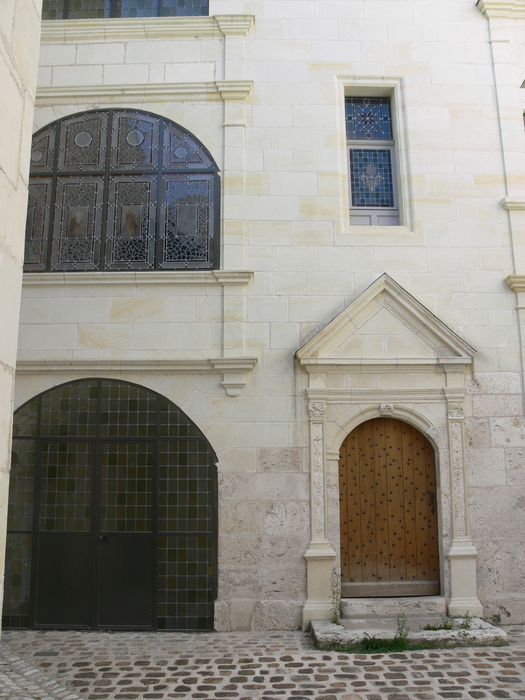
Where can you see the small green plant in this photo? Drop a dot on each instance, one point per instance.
(445, 624)
(401, 627)
(335, 597)
(467, 621)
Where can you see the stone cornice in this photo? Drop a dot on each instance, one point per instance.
(217, 91)
(502, 9)
(178, 277)
(83, 31)
(234, 370)
(358, 396)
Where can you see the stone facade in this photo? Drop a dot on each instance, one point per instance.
(19, 31)
(262, 84)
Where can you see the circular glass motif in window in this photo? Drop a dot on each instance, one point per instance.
(36, 156)
(83, 139)
(135, 137)
(181, 152)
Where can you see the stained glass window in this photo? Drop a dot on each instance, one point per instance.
(98, 9)
(371, 161)
(121, 190)
(371, 178)
(368, 118)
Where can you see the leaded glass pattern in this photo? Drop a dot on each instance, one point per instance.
(368, 118)
(131, 223)
(95, 202)
(96, 457)
(37, 222)
(186, 567)
(126, 477)
(70, 410)
(77, 229)
(186, 501)
(23, 461)
(127, 411)
(65, 490)
(87, 9)
(371, 177)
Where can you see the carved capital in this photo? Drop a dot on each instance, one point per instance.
(316, 410)
(386, 409)
(456, 412)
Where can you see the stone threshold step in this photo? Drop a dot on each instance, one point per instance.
(392, 607)
(477, 632)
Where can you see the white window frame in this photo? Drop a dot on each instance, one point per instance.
(393, 88)
(369, 215)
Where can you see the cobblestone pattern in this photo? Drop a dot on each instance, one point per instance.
(246, 666)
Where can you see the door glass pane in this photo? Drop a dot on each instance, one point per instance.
(21, 485)
(126, 487)
(65, 495)
(185, 582)
(186, 491)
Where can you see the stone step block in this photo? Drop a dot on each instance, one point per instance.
(391, 607)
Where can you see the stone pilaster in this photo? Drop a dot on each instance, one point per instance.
(18, 69)
(320, 555)
(462, 554)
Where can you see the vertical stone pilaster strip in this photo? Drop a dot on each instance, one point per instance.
(460, 526)
(462, 555)
(317, 411)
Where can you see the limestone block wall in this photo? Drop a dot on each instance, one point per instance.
(280, 144)
(19, 32)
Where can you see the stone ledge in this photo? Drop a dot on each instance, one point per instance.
(503, 9)
(84, 31)
(328, 635)
(216, 91)
(156, 277)
(234, 370)
(516, 283)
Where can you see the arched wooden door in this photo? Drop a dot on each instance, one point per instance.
(387, 487)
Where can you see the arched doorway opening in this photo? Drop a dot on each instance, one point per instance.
(112, 520)
(388, 512)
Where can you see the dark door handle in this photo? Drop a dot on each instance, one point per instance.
(103, 538)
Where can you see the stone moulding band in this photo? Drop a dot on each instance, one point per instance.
(150, 364)
(493, 9)
(83, 31)
(234, 370)
(216, 91)
(156, 277)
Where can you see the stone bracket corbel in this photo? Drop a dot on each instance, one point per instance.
(234, 372)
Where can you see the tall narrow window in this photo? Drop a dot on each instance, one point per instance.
(371, 162)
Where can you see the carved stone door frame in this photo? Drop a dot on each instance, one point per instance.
(427, 391)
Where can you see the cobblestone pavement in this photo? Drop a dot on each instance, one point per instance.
(246, 666)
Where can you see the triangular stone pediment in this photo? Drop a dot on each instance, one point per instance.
(385, 325)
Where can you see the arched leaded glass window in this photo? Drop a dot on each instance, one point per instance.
(121, 190)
